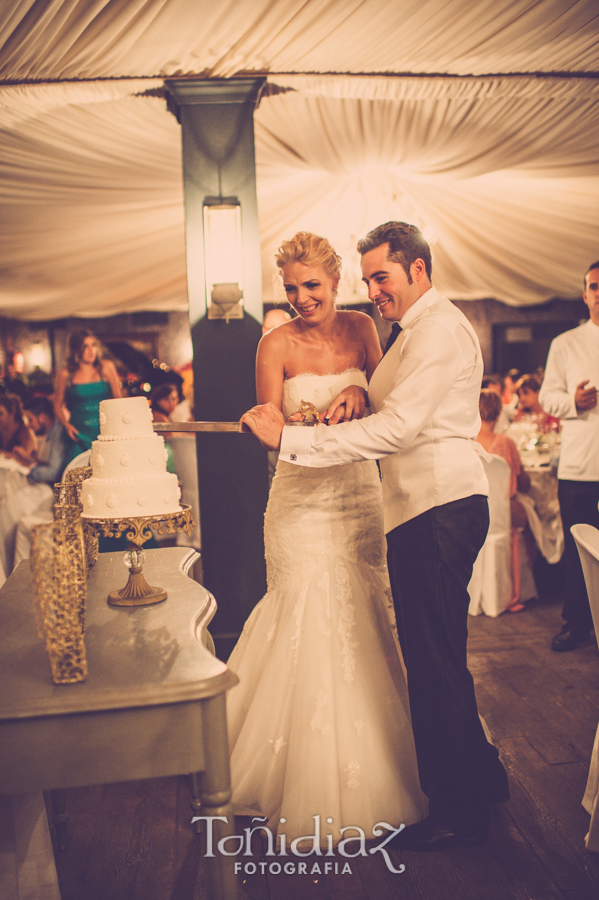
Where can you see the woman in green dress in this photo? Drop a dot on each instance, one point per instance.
(80, 386)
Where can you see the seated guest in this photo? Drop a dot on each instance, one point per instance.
(527, 389)
(17, 439)
(38, 494)
(509, 397)
(495, 383)
(13, 381)
(490, 407)
(163, 401)
(40, 412)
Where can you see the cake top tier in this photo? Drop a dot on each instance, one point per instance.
(125, 418)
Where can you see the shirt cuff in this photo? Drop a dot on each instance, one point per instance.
(296, 444)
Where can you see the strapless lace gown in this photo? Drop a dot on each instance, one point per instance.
(319, 723)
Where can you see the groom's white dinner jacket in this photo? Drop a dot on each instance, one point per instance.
(424, 401)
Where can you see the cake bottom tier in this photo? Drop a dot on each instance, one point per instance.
(111, 499)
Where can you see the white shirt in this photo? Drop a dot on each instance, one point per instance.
(574, 357)
(424, 396)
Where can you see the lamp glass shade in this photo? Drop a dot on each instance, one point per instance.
(222, 245)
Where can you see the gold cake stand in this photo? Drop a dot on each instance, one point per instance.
(137, 591)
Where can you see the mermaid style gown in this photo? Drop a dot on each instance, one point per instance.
(319, 724)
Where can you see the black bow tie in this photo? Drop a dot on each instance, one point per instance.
(395, 329)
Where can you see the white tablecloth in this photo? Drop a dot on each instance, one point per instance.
(17, 498)
(13, 476)
(542, 506)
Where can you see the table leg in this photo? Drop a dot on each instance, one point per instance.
(60, 817)
(211, 795)
(194, 801)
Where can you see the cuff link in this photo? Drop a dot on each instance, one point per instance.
(293, 457)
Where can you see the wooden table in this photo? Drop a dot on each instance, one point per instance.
(153, 703)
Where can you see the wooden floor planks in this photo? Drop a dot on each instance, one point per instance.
(134, 841)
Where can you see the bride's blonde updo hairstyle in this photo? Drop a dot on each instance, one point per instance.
(311, 250)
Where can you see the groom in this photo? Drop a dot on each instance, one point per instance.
(424, 398)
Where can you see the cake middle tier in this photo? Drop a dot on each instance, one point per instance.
(142, 458)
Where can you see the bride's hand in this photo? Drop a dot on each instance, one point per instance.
(349, 404)
(266, 422)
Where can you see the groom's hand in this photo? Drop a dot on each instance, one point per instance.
(266, 422)
(349, 404)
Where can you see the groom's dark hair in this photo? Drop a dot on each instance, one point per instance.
(406, 244)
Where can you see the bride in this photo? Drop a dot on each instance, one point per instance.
(319, 724)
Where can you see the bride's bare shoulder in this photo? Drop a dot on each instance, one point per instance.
(275, 341)
(282, 332)
(356, 322)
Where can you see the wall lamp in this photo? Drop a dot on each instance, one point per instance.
(223, 257)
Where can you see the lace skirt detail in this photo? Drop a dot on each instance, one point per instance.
(319, 724)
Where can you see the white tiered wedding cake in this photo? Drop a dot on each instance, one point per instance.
(129, 465)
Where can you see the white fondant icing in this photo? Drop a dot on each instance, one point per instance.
(125, 418)
(144, 455)
(95, 492)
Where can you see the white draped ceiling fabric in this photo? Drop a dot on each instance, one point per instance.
(478, 121)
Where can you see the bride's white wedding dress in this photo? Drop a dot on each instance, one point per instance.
(319, 723)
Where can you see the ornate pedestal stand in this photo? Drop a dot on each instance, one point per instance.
(137, 591)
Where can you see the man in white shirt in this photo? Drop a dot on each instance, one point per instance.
(569, 393)
(424, 397)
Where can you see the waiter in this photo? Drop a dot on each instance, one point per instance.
(424, 397)
(569, 390)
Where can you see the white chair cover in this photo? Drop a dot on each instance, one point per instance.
(81, 460)
(528, 587)
(587, 541)
(490, 588)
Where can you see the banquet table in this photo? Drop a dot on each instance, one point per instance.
(152, 705)
(541, 504)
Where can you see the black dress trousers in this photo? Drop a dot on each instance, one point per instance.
(578, 504)
(430, 560)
